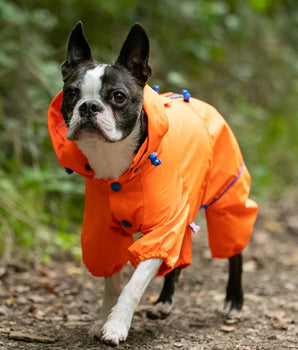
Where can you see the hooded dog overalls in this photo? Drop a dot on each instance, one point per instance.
(190, 160)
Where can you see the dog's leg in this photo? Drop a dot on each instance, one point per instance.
(117, 325)
(111, 295)
(234, 296)
(164, 304)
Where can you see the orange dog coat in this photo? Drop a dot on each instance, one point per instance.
(190, 160)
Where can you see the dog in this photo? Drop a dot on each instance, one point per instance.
(151, 162)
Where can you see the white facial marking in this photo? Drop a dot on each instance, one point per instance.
(92, 83)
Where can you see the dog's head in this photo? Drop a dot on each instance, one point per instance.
(104, 100)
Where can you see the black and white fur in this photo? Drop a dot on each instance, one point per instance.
(102, 108)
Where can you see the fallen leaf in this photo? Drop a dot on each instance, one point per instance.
(37, 298)
(73, 271)
(50, 288)
(282, 322)
(10, 301)
(4, 330)
(152, 298)
(281, 326)
(277, 315)
(54, 305)
(227, 329)
(274, 226)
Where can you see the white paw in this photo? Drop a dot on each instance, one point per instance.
(113, 332)
(159, 310)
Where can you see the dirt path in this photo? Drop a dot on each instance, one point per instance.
(52, 306)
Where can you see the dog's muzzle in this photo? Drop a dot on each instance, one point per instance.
(89, 109)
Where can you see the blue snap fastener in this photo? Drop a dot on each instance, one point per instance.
(155, 88)
(153, 155)
(115, 186)
(68, 171)
(126, 223)
(87, 167)
(186, 96)
(154, 160)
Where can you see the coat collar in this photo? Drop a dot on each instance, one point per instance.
(71, 157)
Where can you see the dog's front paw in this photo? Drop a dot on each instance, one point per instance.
(113, 332)
(159, 310)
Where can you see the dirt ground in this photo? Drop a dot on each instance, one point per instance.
(52, 306)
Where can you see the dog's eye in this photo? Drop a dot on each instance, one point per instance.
(119, 97)
(71, 93)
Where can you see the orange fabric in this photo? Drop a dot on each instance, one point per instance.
(200, 159)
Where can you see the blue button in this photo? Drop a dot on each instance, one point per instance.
(115, 186)
(153, 156)
(126, 223)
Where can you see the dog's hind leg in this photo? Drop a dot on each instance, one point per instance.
(164, 304)
(234, 294)
(111, 294)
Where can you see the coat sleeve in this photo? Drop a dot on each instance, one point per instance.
(165, 229)
(104, 243)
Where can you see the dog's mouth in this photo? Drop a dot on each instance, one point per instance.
(81, 128)
(86, 128)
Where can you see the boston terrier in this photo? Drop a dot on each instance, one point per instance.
(131, 143)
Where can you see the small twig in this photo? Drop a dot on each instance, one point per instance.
(30, 337)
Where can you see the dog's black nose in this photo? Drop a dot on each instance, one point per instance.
(88, 109)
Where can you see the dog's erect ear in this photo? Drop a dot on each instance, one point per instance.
(134, 54)
(78, 50)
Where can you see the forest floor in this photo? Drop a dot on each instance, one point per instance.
(52, 306)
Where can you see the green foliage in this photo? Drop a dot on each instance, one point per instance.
(240, 56)
(34, 208)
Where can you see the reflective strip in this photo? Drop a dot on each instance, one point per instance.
(205, 206)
